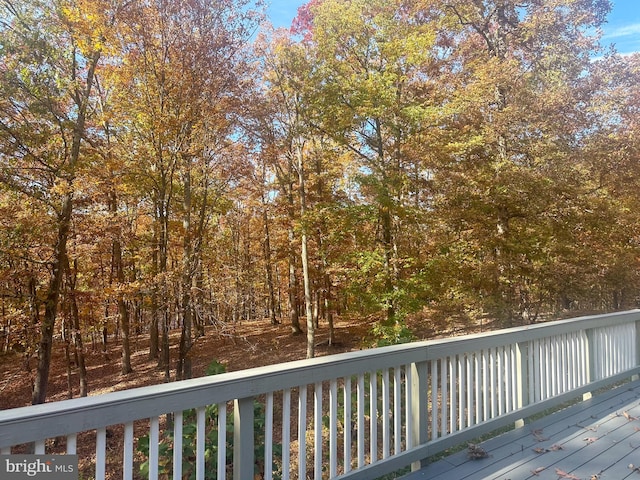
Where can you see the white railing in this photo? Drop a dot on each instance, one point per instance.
(316, 418)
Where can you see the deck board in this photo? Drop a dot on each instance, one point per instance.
(599, 439)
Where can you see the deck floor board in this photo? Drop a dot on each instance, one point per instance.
(598, 439)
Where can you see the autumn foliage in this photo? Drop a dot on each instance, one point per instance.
(171, 164)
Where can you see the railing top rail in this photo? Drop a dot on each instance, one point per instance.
(23, 424)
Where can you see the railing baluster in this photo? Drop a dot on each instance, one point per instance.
(485, 386)
(302, 431)
(243, 439)
(373, 417)
(72, 444)
(222, 441)
(453, 394)
(39, 448)
(492, 380)
(360, 406)
(177, 444)
(154, 440)
(477, 389)
(461, 382)
(286, 434)
(443, 396)
(101, 453)
(499, 381)
(434, 400)
(201, 436)
(348, 426)
(386, 412)
(127, 460)
(397, 411)
(317, 431)
(268, 438)
(469, 388)
(333, 427)
(409, 420)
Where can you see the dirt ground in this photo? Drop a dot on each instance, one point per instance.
(245, 345)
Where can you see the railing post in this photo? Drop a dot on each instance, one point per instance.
(637, 346)
(522, 378)
(419, 394)
(590, 365)
(243, 442)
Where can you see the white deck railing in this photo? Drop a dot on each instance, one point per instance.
(319, 420)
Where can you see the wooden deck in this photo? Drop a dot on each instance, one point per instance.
(598, 439)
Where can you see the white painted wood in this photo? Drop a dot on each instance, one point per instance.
(373, 417)
(286, 434)
(221, 464)
(302, 431)
(201, 436)
(485, 385)
(385, 414)
(397, 410)
(408, 386)
(348, 426)
(154, 441)
(177, 444)
(453, 394)
(468, 388)
(268, 437)
(72, 444)
(101, 453)
(477, 387)
(317, 431)
(39, 448)
(434, 400)
(444, 395)
(360, 420)
(127, 454)
(333, 427)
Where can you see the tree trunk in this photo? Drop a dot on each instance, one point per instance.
(267, 260)
(305, 255)
(183, 370)
(77, 333)
(45, 344)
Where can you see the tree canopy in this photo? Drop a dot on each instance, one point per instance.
(177, 164)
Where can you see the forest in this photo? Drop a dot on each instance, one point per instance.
(166, 165)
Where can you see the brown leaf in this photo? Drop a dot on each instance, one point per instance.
(629, 417)
(563, 474)
(590, 439)
(555, 447)
(537, 471)
(537, 434)
(540, 450)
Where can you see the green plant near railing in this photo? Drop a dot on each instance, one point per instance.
(393, 333)
(189, 439)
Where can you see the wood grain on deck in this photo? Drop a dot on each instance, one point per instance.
(598, 439)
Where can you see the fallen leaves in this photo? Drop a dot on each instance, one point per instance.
(590, 440)
(568, 476)
(553, 448)
(537, 434)
(537, 471)
(476, 452)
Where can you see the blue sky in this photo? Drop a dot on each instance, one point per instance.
(622, 29)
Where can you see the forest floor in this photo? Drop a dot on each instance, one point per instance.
(238, 346)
